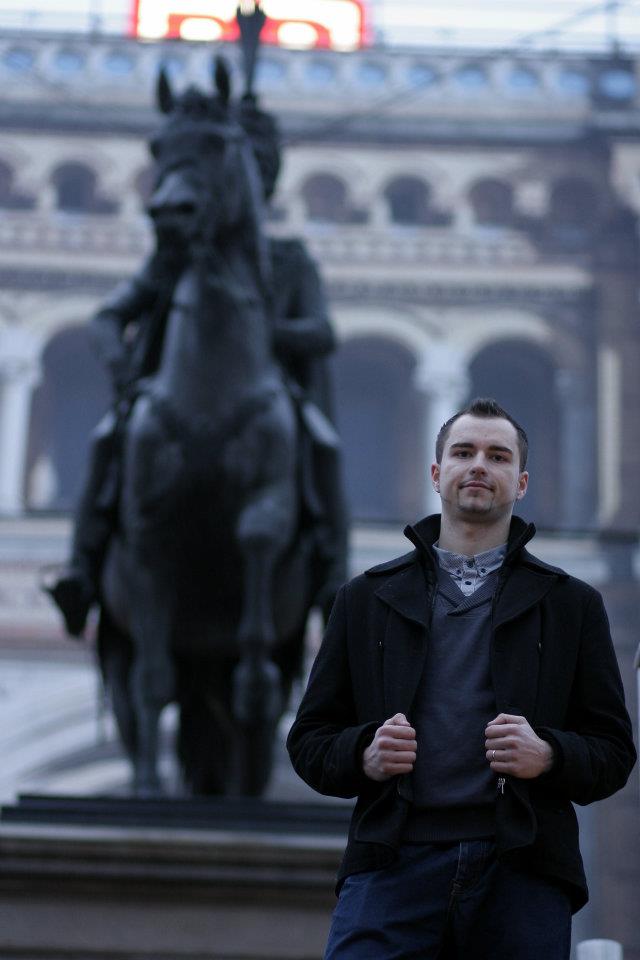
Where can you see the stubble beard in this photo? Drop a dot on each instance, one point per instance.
(476, 510)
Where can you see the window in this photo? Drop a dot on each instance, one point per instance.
(492, 202)
(409, 200)
(76, 191)
(472, 78)
(325, 197)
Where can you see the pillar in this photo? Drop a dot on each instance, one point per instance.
(443, 378)
(577, 445)
(19, 373)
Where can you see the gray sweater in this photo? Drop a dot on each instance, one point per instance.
(452, 788)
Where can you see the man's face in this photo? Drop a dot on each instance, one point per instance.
(479, 478)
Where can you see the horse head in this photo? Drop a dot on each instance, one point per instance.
(207, 183)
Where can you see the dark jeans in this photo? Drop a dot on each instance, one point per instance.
(450, 902)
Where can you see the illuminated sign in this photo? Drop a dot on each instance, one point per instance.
(297, 24)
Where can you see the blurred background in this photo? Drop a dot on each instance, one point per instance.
(467, 176)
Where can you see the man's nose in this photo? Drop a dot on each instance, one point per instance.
(478, 465)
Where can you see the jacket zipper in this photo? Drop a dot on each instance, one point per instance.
(501, 783)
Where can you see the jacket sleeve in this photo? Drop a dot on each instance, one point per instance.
(326, 741)
(594, 751)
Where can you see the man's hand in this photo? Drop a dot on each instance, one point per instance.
(513, 747)
(392, 750)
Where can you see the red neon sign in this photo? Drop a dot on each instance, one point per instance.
(297, 24)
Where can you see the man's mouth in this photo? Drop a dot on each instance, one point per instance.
(476, 484)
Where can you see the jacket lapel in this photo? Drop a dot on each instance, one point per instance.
(405, 646)
(406, 593)
(515, 653)
(523, 588)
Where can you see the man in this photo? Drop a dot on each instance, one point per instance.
(466, 693)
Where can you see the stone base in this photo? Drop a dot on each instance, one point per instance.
(93, 892)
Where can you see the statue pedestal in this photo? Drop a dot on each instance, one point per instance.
(176, 887)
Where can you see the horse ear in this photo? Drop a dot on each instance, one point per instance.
(222, 78)
(164, 93)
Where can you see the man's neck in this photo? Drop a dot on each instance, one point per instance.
(470, 539)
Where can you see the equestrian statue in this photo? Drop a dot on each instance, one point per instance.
(213, 518)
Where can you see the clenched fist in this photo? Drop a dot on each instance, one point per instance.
(513, 747)
(392, 750)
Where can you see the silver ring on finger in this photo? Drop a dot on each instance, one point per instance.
(493, 756)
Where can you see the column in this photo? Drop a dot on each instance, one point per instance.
(378, 212)
(443, 378)
(19, 373)
(577, 446)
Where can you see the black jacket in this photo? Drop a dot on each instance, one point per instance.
(552, 661)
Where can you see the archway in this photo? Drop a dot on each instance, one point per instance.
(522, 378)
(379, 414)
(71, 398)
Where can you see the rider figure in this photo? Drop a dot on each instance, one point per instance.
(303, 338)
(128, 331)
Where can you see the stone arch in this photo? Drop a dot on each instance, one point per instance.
(76, 189)
(522, 376)
(72, 396)
(411, 329)
(492, 202)
(379, 414)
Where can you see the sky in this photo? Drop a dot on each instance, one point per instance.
(530, 24)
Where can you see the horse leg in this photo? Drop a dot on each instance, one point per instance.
(116, 656)
(150, 475)
(153, 675)
(263, 529)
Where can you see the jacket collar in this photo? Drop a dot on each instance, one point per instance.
(523, 579)
(424, 534)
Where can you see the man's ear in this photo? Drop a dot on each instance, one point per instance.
(435, 476)
(523, 483)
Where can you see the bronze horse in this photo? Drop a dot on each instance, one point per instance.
(209, 580)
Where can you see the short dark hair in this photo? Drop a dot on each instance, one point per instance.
(488, 408)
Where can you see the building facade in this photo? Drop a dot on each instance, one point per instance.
(475, 222)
